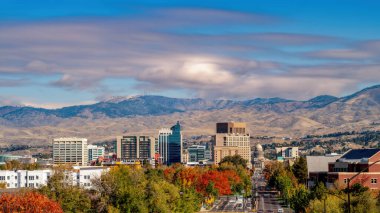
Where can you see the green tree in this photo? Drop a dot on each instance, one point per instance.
(300, 170)
(71, 198)
(299, 201)
(332, 204)
(235, 160)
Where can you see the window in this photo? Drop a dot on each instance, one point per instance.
(36, 177)
(8, 185)
(31, 185)
(2, 177)
(15, 177)
(373, 180)
(31, 177)
(345, 180)
(15, 184)
(8, 177)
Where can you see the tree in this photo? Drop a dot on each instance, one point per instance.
(60, 189)
(300, 199)
(235, 160)
(300, 170)
(213, 179)
(28, 202)
(332, 204)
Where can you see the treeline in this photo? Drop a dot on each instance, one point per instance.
(367, 139)
(17, 165)
(291, 182)
(143, 189)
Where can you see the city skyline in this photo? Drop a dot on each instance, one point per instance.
(55, 54)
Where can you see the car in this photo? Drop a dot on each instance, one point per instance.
(280, 210)
(239, 206)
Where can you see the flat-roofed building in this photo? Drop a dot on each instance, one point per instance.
(286, 153)
(196, 153)
(231, 139)
(70, 151)
(94, 152)
(351, 163)
(318, 167)
(133, 148)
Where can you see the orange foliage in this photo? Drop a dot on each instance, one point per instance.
(232, 177)
(28, 202)
(169, 174)
(220, 181)
(188, 176)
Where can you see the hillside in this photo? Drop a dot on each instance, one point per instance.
(146, 114)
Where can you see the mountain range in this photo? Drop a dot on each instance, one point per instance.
(146, 114)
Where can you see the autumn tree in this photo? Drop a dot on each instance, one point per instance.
(28, 202)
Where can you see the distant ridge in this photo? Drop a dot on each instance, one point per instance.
(360, 104)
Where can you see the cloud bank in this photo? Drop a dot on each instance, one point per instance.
(170, 50)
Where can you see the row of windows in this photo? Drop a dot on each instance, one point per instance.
(373, 180)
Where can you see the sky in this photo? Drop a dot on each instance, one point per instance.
(57, 53)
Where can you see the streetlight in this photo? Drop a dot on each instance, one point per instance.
(348, 184)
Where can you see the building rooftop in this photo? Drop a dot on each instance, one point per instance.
(320, 163)
(359, 154)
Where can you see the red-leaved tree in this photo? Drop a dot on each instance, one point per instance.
(221, 183)
(28, 202)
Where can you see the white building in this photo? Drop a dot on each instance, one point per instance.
(94, 152)
(24, 178)
(70, 151)
(85, 174)
(80, 176)
(163, 140)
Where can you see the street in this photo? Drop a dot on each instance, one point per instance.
(232, 204)
(266, 200)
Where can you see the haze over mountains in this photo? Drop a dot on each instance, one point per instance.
(146, 114)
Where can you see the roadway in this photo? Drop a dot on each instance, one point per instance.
(267, 201)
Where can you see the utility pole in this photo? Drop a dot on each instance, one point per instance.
(348, 184)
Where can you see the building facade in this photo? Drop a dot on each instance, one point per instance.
(196, 153)
(317, 168)
(94, 152)
(135, 148)
(163, 141)
(79, 176)
(231, 139)
(70, 151)
(286, 153)
(170, 145)
(351, 163)
(175, 145)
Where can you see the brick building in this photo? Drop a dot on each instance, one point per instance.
(352, 163)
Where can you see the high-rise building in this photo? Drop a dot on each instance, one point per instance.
(170, 144)
(135, 147)
(94, 152)
(231, 139)
(175, 145)
(163, 140)
(70, 150)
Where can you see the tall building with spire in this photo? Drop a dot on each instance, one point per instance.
(170, 144)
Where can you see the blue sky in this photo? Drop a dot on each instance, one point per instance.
(59, 53)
